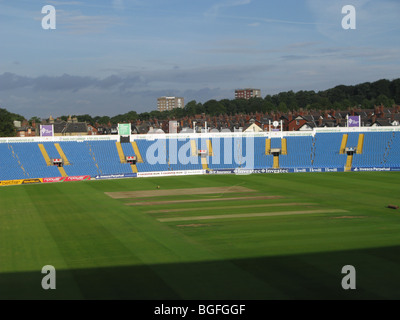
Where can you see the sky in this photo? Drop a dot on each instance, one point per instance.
(108, 57)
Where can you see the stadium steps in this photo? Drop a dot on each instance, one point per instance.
(62, 154)
(210, 149)
(62, 172)
(45, 155)
(313, 149)
(360, 144)
(344, 143)
(387, 150)
(120, 152)
(284, 147)
(15, 156)
(267, 146)
(134, 168)
(135, 147)
(349, 163)
(23, 169)
(193, 148)
(276, 162)
(94, 158)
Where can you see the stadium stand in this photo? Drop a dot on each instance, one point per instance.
(81, 159)
(327, 151)
(25, 160)
(299, 153)
(392, 158)
(32, 161)
(10, 165)
(375, 146)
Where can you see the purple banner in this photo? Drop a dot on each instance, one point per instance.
(353, 121)
(46, 130)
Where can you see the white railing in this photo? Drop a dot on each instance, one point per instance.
(268, 134)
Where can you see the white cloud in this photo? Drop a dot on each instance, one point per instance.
(118, 4)
(75, 22)
(215, 9)
(68, 3)
(372, 18)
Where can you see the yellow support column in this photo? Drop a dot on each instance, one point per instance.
(134, 168)
(62, 154)
(344, 143)
(45, 155)
(284, 147)
(360, 145)
(276, 162)
(62, 171)
(193, 148)
(204, 163)
(135, 147)
(349, 163)
(267, 146)
(120, 152)
(210, 149)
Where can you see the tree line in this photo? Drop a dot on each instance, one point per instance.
(7, 119)
(365, 95)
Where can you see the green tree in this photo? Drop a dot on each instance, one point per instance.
(34, 119)
(200, 108)
(256, 105)
(282, 107)
(190, 108)
(156, 115)
(381, 87)
(85, 118)
(177, 113)
(6, 124)
(212, 107)
(104, 120)
(144, 116)
(304, 98)
(395, 90)
(384, 100)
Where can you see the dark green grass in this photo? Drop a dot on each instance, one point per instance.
(104, 249)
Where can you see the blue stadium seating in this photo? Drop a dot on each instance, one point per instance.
(327, 151)
(375, 145)
(299, 153)
(10, 166)
(32, 161)
(392, 158)
(25, 160)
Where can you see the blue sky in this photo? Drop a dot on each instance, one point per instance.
(108, 57)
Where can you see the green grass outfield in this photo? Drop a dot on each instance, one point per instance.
(103, 248)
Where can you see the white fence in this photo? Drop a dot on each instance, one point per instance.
(184, 136)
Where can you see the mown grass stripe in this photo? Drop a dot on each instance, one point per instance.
(155, 203)
(251, 215)
(233, 207)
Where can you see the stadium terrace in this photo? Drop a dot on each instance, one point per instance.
(118, 156)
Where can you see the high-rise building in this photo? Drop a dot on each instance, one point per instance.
(247, 93)
(169, 103)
